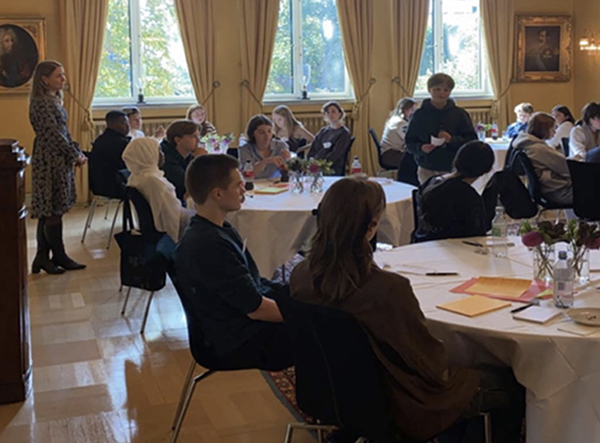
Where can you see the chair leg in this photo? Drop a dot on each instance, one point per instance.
(146, 312)
(88, 221)
(112, 227)
(487, 426)
(319, 428)
(186, 383)
(126, 300)
(107, 209)
(186, 402)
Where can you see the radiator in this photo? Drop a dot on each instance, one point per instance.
(148, 125)
(480, 115)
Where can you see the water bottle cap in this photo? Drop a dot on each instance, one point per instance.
(562, 255)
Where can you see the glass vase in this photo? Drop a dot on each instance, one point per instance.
(580, 260)
(297, 182)
(543, 261)
(316, 184)
(481, 135)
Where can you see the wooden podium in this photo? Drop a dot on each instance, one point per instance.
(15, 355)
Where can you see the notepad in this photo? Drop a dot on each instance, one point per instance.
(271, 190)
(474, 306)
(537, 314)
(536, 290)
(500, 286)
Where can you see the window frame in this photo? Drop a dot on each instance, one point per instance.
(137, 70)
(297, 67)
(438, 52)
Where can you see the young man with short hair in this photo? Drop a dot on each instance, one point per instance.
(438, 129)
(180, 147)
(220, 283)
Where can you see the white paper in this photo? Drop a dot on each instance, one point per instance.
(435, 141)
(537, 314)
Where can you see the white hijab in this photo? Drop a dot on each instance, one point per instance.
(141, 158)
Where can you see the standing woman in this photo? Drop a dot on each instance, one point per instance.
(286, 128)
(53, 160)
(197, 114)
(392, 140)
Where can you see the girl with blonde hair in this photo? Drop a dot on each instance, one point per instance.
(197, 114)
(288, 129)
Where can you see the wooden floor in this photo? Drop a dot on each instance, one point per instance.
(96, 379)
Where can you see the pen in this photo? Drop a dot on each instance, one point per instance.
(522, 308)
(441, 273)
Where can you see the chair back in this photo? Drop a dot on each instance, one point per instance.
(586, 183)
(103, 181)
(234, 152)
(346, 155)
(377, 143)
(510, 159)
(565, 146)
(533, 184)
(145, 218)
(415, 208)
(338, 377)
(407, 172)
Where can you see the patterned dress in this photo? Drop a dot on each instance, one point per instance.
(53, 158)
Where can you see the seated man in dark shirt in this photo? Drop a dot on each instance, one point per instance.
(180, 147)
(219, 280)
(448, 206)
(106, 159)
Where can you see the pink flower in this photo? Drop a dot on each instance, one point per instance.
(592, 243)
(532, 239)
(314, 168)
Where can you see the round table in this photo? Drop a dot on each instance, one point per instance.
(561, 371)
(276, 226)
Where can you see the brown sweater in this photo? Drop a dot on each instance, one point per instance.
(426, 395)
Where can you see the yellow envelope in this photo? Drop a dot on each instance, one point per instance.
(474, 305)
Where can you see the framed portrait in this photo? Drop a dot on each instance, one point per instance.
(22, 47)
(544, 48)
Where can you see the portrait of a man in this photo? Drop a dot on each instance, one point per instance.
(18, 56)
(542, 45)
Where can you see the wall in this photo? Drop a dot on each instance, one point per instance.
(586, 14)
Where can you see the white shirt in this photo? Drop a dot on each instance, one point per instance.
(562, 131)
(393, 134)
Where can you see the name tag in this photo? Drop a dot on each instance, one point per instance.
(327, 145)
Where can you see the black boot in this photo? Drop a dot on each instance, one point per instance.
(60, 258)
(42, 257)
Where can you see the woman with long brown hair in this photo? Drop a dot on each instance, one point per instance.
(288, 129)
(54, 157)
(426, 395)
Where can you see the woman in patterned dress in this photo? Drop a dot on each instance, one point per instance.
(54, 156)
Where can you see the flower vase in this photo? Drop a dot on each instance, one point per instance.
(481, 135)
(316, 185)
(224, 146)
(543, 261)
(580, 260)
(297, 181)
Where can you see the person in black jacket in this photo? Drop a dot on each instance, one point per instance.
(448, 206)
(106, 154)
(179, 148)
(438, 129)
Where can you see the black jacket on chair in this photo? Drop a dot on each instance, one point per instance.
(174, 167)
(106, 161)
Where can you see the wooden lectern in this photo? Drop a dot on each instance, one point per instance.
(15, 355)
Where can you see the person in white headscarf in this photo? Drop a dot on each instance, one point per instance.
(142, 157)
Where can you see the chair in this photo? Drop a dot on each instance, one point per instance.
(103, 194)
(407, 172)
(415, 207)
(158, 248)
(234, 152)
(382, 164)
(346, 155)
(586, 182)
(565, 145)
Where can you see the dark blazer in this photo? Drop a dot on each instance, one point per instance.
(106, 161)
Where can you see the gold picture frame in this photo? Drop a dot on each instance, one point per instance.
(544, 47)
(22, 47)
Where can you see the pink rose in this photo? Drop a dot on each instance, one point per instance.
(532, 239)
(314, 168)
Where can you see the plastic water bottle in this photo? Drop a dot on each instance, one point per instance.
(494, 131)
(499, 233)
(356, 167)
(248, 173)
(564, 275)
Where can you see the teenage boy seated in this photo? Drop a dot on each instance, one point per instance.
(106, 155)
(231, 302)
(438, 129)
(180, 147)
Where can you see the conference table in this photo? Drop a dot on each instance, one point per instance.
(560, 370)
(275, 227)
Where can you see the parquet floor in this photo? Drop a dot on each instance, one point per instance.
(96, 379)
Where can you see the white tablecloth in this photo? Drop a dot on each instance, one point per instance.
(500, 148)
(561, 371)
(275, 226)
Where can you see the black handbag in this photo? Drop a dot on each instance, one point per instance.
(142, 265)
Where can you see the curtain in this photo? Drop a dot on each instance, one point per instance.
(356, 25)
(409, 25)
(83, 24)
(498, 25)
(196, 20)
(258, 25)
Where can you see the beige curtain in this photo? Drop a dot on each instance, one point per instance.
(82, 24)
(196, 21)
(409, 24)
(498, 24)
(258, 25)
(356, 25)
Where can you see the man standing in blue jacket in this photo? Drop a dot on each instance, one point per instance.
(438, 129)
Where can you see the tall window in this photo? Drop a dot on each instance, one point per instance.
(454, 45)
(142, 52)
(308, 52)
